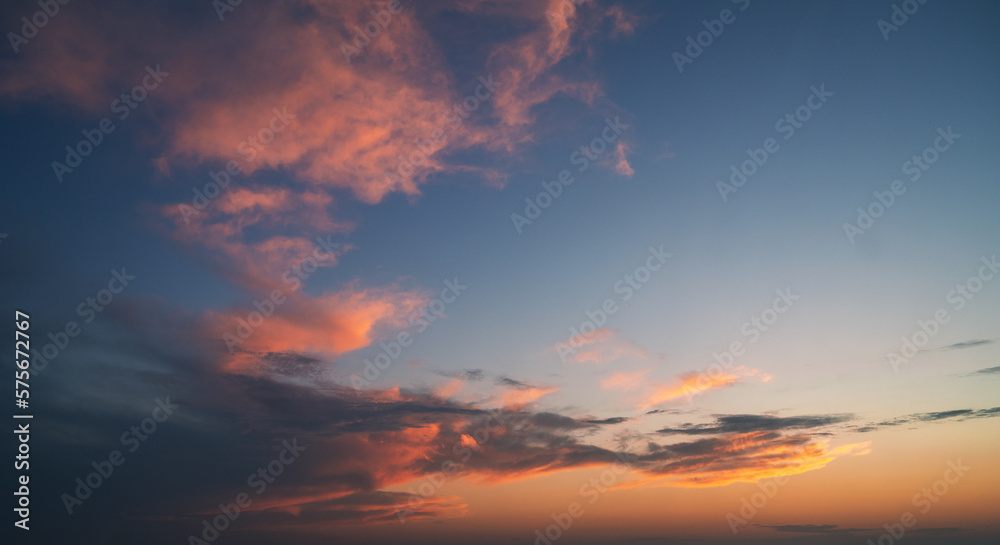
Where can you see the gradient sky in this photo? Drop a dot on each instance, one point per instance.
(817, 399)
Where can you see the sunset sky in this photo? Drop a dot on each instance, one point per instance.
(484, 271)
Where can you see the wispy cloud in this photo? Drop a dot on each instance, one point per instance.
(833, 529)
(624, 380)
(816, 529)
(696, 382)
(600, 346)
(959, 415)
(965, 344)
(746, 423)
(622, 165)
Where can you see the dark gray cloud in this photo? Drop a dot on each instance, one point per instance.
(504, 380)
(943, 530)
(816, 529)
(966, 344)
(470, 375)
(833, 529)
(609, 421)
(667, 411)
(479, 375)
(958, 415)
(744, 423)
(987, 371)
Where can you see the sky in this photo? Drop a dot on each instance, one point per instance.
(572, 271)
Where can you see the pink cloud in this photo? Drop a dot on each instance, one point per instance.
(623, 22)
(599, 346)
(624, 380)
(516, 399)
(621, 161)
(328, 325)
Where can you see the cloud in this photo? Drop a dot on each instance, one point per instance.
(746, 423)
(520, 398)
(267, 262)
(816, 529)
(833, 529)
(504, 380)
(624, 380)
(378, 124)
(388, 109)
(695, 382)
(666, 411)
(609, 421)
(471, 375)
(987, 371)
(509, 392)
(624, 22)
(532, 56)
(740, 457)
(363, 508)
(331, 324)
(599, 346)
(445, 391)
(621, 162)
(966, 344)
(959, 415)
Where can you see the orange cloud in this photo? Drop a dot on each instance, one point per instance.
(764, 459)
(449, 389)
(693, 383)
(330, 325)
(519, 398)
